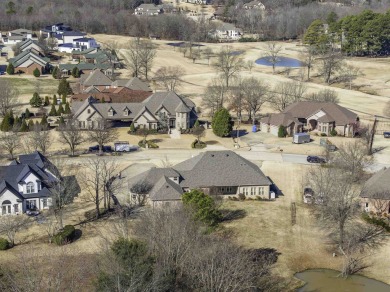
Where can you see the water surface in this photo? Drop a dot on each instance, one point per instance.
(282, 62)
(324, 280)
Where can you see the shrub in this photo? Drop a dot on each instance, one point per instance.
(4, 244)
(10, 69)
(222, 124)
(333, 132)
(65, 236)
(47, 101)
(323, 135)
(241, 197)
(281, 132)
(132, 128)
(149, 143)
(36, 100)
(198, 144)
(36, 72)
(376, 221)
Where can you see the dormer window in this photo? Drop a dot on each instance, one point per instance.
(126, 112)
(30, 188)
(110, 112)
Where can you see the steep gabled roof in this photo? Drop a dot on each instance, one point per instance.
(170, 100)
(166, 190)
(134, 83)
(28, 55)
(23, 45)
(96, 78)
(280, 119)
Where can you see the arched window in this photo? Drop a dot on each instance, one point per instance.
(30, 188)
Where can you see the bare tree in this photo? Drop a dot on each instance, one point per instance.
(228, 65)
(198, 132)
(273, 53)
(352, 158)
(249, 65)
(40, 138)
(255, 95)
(10, 142)
(147, 53)
(70, 134)
(132, 56)
(236, 99)
(11, 225)
(140, 191)
(213, 97)
(324, 95)
(102, 134)
(63, 189)
(169, 78)
(349, 73)
(331, 61)
(94, 179)
(287, 93)
(8, 97)
(309, 57)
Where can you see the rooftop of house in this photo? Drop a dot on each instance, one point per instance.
(145, 6)
(95, 78)
(74, 33)
(83, 40)
(335, 113)
(208, 169)
(377, 187)
(29, 42)
(134, 83)
(26, 55)
(280, 119)
(113, 95)
(84, 66)
(21, 31)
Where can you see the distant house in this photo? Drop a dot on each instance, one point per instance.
(54, 29)
(321, 117)
(223, 173)
(16, 36)
(177, 112)
(254, 5)
(226, 31)
(27, 61)
(78, 44)
(99, 81)
(148, 10)
(84, 68)
(26, 184)
(80, 55)
(375, 196)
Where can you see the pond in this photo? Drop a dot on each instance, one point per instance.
(282, 62)
(322, 280)
(182, 44)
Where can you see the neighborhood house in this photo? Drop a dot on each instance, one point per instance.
(322, 117)
(214, 172)
(148, 9)
(27, 61)
(16, 36)
(161, 107)
(375, 196)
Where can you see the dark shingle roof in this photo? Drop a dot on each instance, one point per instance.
(280, 119)
(377, 187)
(96, 78)
(134, 83)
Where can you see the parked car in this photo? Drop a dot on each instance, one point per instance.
(315, 159)
(386, 134)
(32, 212)
(96, 148)
(2, 73)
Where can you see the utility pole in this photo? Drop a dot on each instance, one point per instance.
(372, 135)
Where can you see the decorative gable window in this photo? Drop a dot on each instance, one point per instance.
(30, 188)
(126, 112)
(110, 112)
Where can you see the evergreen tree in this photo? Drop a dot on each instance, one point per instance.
(222, 125)
(67, 109)
(10, 69)
(24, 127)
(55, 100)
(30, 124)
(53, 111)
(132, 128)
(63, 99)
(47, 101)
(44, 121)
(17, 123)
(36, 100)
(36, 72)
(27, 113)
(11, 117)
(196, 125)
(60, 110)
(64, 88)
(315, 34)
(76, 72)
(281, 132)
(6, 124)
(62, 121)
(54, 72)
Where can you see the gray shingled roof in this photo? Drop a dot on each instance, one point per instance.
(134, 83)
(304, 109)
(377, 187)
(220, 168)
(208, 169)
(84, 66)
(280, 119)
(23, 45)
(26, 55)
(97, 78)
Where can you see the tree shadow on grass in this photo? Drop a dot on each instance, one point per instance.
(212, 142)
(230, 215)
(156, 140)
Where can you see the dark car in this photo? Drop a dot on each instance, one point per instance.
(315, 159)
(386, 134)
(96, 148)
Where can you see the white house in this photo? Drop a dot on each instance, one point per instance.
(79, 44)
(254, 5)
(148, 9)
(16, 36)
(226, 31)
(26, 184)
